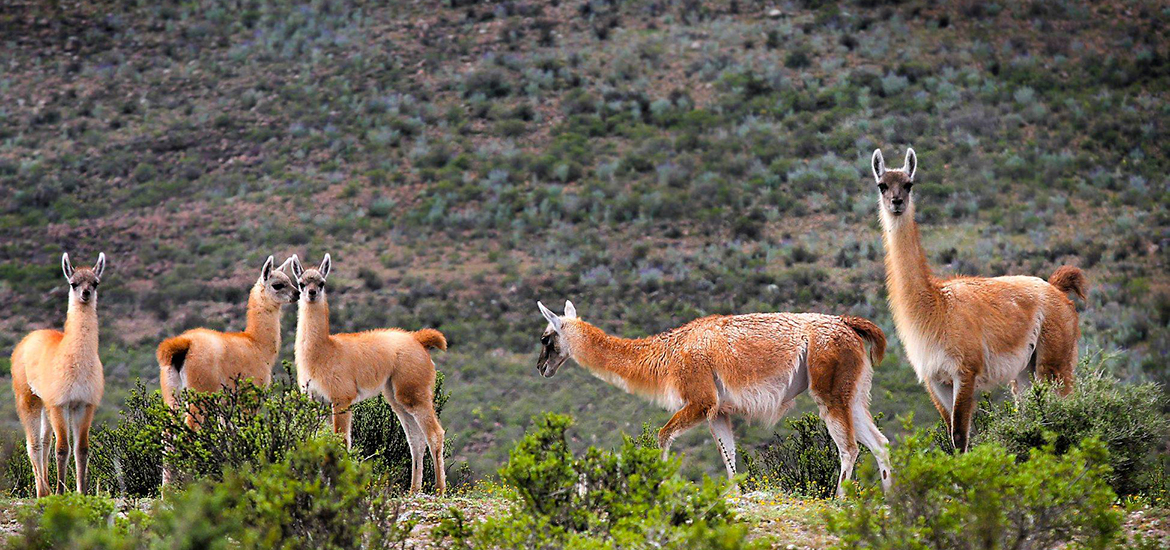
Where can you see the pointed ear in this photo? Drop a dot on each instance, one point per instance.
(550, 316)
(326, 265)
(287, 261)
(570, 311)
(100, 266)
(66, 266)
(297, 269)
(911, 163)
(878, 164)
(266, 271)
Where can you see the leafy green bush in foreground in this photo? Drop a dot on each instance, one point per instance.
(1126, 418)
(983, 499)
(316, 497)
(629, 498)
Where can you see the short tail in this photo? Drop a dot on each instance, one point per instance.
(871, 333)
(431, 338)
(1068, 279)
(172, 352)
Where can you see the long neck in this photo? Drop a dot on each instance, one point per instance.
(263, 319)
(312, 322)
(81, 328)
(914, 293)
(312, 334)
(610, 356)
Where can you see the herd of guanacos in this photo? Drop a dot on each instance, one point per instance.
(960, 334)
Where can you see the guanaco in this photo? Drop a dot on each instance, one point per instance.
(751, 365)
(344, 369)
(967, 334)
(58, 381)
(207, 360)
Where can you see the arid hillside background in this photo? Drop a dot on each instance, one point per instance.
(653, 161)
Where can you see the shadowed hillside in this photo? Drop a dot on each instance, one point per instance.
(652, 161)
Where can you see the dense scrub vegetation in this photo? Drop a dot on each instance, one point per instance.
(244, 426)
(316, 496)
(985, 499)
(655, 161)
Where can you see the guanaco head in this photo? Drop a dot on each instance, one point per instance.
(554, 348)
(83, 281)
(277, 286)
(312, 280)
(894, 184)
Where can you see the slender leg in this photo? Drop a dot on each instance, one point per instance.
(31, 412)
(341, 420)
(425, 415)
(964, 407)
(840, 425)
(683, 420)
(46, 427)
(415, 439)
(61, 435)
(82, 417)
(874, 440)
(725, 440)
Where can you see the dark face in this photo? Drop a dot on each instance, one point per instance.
(84, 284)
(894, 187)
(312, 285)
(552, 354)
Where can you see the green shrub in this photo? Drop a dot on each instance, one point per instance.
(17, 476)
(126, 459)
(628, 498)
(1126, 418)
(982, 499)
(245, 425)
(317, 496)
(61, 521)
(803, 462)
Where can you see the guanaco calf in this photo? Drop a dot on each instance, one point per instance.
(207, 360)
(344, 369)
(966, 334)
(58, 381)
(747, 365)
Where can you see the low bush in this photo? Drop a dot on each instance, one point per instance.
(983, 499)
(126, 458)
(317, 496)
(628, 498)
(61, 521)
(1126, 418)
(803, 462)
(248, 424)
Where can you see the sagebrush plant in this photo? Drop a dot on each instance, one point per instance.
(627, 498)
(1126, 418)
(803, 462)
(982, 499)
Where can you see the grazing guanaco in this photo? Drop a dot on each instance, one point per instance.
(345, 369)
(58, 381)
(751, 365)
(208, 360)
(966, 334)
